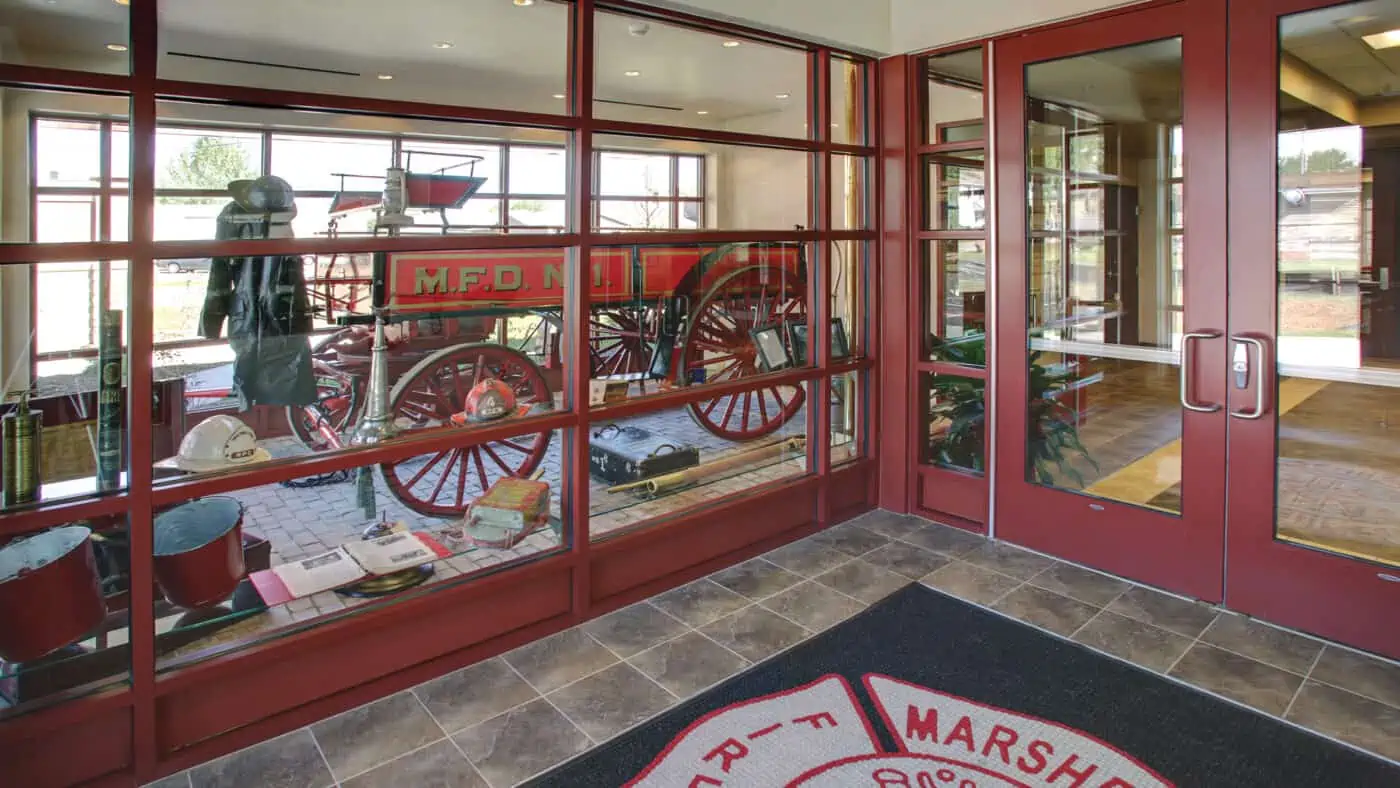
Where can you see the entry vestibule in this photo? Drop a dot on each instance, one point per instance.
(1187, 211)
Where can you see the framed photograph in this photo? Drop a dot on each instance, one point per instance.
(797, 335)
(840, 345)
(772, 353)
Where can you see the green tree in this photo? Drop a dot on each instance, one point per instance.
(1325, 160)
(209, 163)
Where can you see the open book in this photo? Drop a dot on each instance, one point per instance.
(347, 564)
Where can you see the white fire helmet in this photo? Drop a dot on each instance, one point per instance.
(217, 443)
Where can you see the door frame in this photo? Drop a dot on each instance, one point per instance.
(1325, 593)
(1187, 553)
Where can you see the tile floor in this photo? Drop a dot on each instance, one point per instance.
(504, 720)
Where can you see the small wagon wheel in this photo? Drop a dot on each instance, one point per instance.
(428, 395)
(718, 342)
(620, 340)
(337, 395)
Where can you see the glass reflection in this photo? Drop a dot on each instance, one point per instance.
(1104, 297)
(1338, 313)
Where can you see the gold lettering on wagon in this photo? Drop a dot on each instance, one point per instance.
(508, 278)
(467, 276)
(430, 281)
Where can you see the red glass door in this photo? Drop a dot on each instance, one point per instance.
(1314, 427)
(1109, 388)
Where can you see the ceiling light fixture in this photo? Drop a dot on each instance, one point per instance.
(523, 3)
(702, 112)
(386, 76)
(442, 45)
(1386, 40)
(730, 44)
(117, 47)
(118, 2)
(631, 73)
(559, 95)
(783, 96)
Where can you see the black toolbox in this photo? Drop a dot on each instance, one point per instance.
(619, 455)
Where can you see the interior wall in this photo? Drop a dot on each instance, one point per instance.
(758, 187)
(921, 24)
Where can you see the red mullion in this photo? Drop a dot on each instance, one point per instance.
(703, 237)
(949, 368)
(140, 340)
(952, 147)
(42, 77)
(51, 513)
(581, 176)
(200, 92)
(819, 413)
(25, 254)
(436, 440)
(949, 235)
(352, 244)
(690, 395)
(849, 149)
(656, 130)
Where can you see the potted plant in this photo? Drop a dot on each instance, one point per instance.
(958, 408)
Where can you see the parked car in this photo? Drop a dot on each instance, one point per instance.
(184, 265)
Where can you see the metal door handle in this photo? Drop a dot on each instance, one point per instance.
(1186, 368)
(1242, 374)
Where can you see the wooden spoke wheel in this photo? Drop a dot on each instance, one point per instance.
(435, 389)
(719, 348)
(337, 398)
(620, 341)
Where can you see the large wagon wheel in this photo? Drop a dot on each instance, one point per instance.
(718, 341)
(428, 395)
(337, 394)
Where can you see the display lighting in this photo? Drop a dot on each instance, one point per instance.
(559, 95)
(117, 47)
(631, 73)
(1386, 40)
(730, 44)
(386, 76)
(443, 45)
(523, 3)
(702, 112)
(783, 96)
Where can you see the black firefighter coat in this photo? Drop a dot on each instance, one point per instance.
(265, 301)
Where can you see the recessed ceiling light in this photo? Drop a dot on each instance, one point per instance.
(1386, 40)
(559, 95)
(523, 3)
(783, 96)
(117, 47)
(702, 112)
(442, 45)
(386, 76)
(730, 44)
(836, 125)
(118, 2)
(631, 73)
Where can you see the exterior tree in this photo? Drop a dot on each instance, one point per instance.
(209, 163)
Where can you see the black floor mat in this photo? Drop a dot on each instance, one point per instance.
(925, 691)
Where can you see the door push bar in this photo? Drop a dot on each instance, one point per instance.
(1187, 366)
(1239, 372)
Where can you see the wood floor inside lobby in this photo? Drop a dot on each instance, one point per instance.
(1338, 469)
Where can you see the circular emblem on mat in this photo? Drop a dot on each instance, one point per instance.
(819, 736)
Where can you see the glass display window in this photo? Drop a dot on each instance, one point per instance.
(668, 317)
(379, 532)
(464, 340)
(648, 467)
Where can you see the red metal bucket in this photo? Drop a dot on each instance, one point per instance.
(49, 593)
(199, 551)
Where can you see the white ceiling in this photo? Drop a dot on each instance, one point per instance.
(1330, 41)
(502, 55)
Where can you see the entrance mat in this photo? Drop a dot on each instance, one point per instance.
(925, 691)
